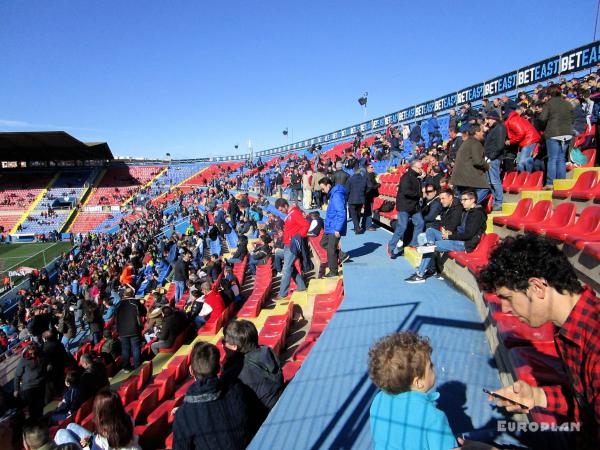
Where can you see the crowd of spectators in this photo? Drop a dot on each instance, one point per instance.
(96, 292)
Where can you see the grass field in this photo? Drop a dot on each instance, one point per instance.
(30, 255)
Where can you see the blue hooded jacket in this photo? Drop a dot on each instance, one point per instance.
(335, 220)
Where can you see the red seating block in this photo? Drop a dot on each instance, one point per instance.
(180, 367)
(478, 257)
(144, 374)
(563, 215)
(515, 333)
(169, 441)
(520, 212)
(533, 183)
(508, 180)
(584, 184)
(541, 211)
(520, 181)
(289, 369)
(592, 248)
(165, 383)
(88, 422)
(146, 403)
(303, 350)
(128, 390)
(167, 406)
(153, 433)
(588, 223)
(537, 369)
(181, 390)
(84, 410)
(179, 340)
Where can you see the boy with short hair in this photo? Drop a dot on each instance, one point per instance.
(403, 415)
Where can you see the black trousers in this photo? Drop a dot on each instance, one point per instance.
(330, 243)
(34, 399)
(368, 212)
(355, 215)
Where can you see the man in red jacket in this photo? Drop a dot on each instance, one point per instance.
(521, 131)
(295, 226)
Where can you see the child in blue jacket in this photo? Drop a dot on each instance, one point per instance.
(403, 414)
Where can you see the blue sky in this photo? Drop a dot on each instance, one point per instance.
(194, 78)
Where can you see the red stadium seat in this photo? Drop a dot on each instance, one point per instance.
(563, 215)
(585, 183)
(540, 212)
(144, 405)
(508, 180)
(592, 248)
(519, 213)
(165, 383)
(84, 410)
(480, 254)
(144, 375)
(588, 223)
(168, 406)
(537, 369)
(519, 182)
(180, 366)
(181, 390)
(303, 350)
(128, 390)
(289, 369)
(533, 183)
(154, 433)
(515, 333)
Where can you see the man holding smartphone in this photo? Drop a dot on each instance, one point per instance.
(535, 281)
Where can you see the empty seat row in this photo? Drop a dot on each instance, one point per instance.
(561, 223)
(515, 182)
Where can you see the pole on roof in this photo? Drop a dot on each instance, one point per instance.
(596, 21)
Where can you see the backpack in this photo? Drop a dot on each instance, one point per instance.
(387, 206)
(577, 157)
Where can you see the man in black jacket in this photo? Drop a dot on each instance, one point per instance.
(495, 139)
(372, 192)
(452, 211)
(173, 324)
(214, 414)
(129, 328)
(454, 144)
(465, 238)
(339, 176)
(180, 274)
(357, 188)
(295, 186)
(408, 206)
(432, 206)
(257, 367)
(93, 377)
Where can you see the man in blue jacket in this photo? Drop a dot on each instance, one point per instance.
(335, 224)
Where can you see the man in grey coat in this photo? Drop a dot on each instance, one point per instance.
(470, 167)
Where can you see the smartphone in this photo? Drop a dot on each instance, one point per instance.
(501, 397)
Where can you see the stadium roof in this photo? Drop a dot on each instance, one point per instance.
(50, 146)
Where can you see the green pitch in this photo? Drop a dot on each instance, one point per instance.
(33, 255)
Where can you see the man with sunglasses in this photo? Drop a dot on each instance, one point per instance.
(465, 238)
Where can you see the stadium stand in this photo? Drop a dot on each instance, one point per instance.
(327, 328)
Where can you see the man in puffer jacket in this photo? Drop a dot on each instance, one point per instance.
(256, 367)
(521, 131)
(214, 413)
(335, 223)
